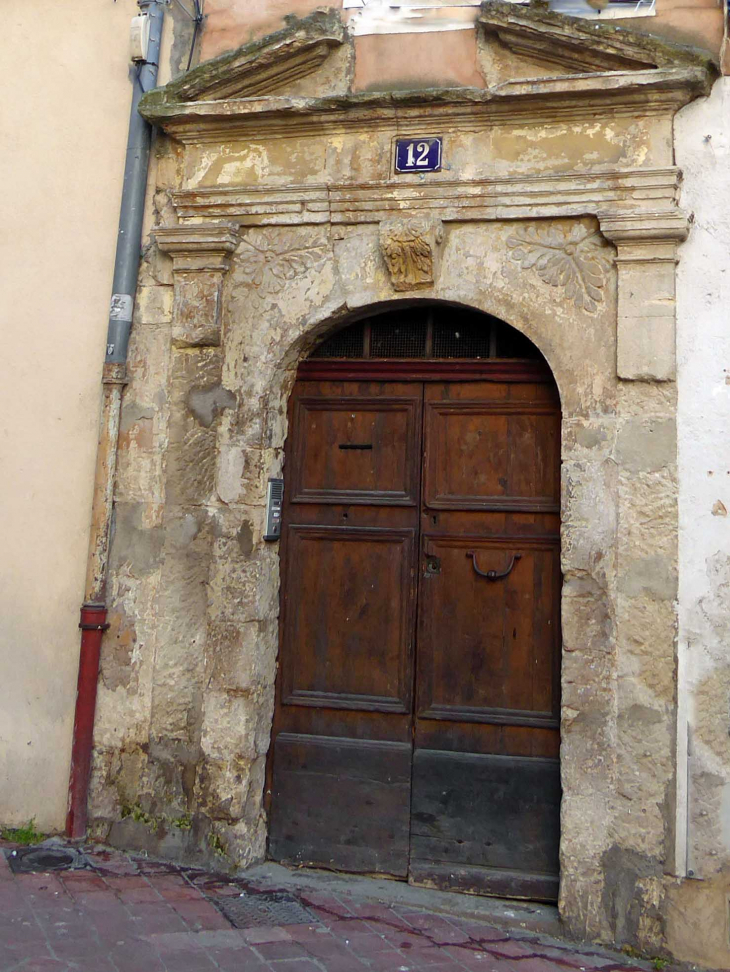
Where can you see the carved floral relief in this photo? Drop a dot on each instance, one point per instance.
(271, 262)
(574, 258)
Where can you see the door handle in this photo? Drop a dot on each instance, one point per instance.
(493, 575)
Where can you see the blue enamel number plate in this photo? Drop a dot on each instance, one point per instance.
(418, 155)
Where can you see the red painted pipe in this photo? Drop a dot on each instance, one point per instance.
(93, 625)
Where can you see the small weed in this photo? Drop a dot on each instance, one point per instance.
(23, 835)
(217, 845)
(153, 821)
(657, 963)
(138, 815)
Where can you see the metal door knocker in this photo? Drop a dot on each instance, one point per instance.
(493, 575)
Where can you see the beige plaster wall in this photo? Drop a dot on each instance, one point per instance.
(66, 103)
(66, 106)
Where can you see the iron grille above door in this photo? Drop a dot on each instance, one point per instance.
(442, 333)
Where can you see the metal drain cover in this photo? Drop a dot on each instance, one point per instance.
(263, 909)
(26, 860)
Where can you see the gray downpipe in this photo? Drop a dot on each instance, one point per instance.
(126, 264)
(114, 377)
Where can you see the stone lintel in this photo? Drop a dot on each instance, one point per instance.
(519, 197)
(201, 254)
(646, 254)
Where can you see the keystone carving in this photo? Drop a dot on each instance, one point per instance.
(410, 245)
(573, 258)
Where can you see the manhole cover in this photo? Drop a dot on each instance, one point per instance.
(26, 860)
(265, 908)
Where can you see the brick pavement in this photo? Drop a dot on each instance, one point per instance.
(129, 914)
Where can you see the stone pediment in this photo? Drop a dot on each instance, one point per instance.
(264, 66)
(579, 46)
(602, 68)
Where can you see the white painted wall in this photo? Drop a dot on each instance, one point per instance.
(702, 143)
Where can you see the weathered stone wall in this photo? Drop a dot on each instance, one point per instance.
(202, 678)
(277, 218)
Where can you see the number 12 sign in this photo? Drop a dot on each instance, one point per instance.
(418, 155)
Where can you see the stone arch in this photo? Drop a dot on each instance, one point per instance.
(580, 350)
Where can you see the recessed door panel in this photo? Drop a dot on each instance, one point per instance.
(356, 450)
(349, 632)
(488, 632)
(486, 823)
(491, 455)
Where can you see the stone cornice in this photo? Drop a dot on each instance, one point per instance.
(538, 100)
(198, 247)
(617, 192)
(662, 227)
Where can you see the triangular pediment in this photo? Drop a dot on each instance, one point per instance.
(265, 66)
(577, 46)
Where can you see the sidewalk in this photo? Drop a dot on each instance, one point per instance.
(124, 913)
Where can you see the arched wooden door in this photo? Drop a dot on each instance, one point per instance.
(416, 730)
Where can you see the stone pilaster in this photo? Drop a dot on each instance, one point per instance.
(200, 257)
(646, 257)
(646, 552)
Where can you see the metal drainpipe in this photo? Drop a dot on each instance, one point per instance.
(126, 269)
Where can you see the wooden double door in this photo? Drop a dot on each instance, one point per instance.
(416, 731)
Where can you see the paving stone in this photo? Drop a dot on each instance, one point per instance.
(271, 951)
(258, 936)
(238, 960)
(147, 916)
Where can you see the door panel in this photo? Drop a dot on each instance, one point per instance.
(342, 803)
(496, 817)
(356, 450)
(355, 597)
(490, 454)
(341, 766)
(485, 799)
(502, 632)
